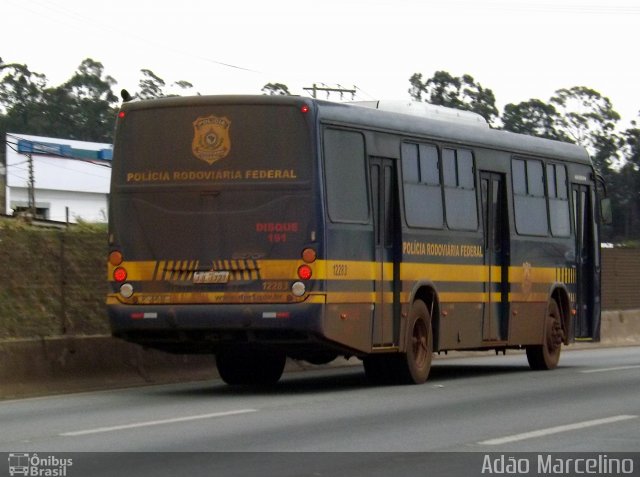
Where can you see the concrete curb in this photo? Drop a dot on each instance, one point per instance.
(55, 365)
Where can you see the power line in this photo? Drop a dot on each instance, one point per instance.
(64, 14)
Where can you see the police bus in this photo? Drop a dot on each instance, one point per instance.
(259, 228)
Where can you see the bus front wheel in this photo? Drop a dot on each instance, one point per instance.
(547, 355)
(250, 366)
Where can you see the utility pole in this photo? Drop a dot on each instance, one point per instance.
(32, 188)
(314, 90)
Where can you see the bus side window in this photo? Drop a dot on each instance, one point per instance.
(421, 185)
(529, 198)
(558, 200)
(459, 189)
(344, 155)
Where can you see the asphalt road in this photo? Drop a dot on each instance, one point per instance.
(487, 404)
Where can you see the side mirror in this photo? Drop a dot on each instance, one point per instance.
(605, 211)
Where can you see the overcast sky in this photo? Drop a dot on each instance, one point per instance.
(521, 49)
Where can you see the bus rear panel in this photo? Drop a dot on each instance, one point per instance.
(214, 233)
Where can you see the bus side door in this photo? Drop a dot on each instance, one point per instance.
(496, 256)
(587, 263)
(384, 192)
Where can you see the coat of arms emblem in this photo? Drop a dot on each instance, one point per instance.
(211, 141)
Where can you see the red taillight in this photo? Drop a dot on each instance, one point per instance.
(304, 272)
(119, 274)
(304, 108)
(121, 114)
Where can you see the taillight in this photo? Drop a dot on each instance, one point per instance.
(304, 272)
(120, 274)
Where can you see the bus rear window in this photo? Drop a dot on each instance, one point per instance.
(212, 144)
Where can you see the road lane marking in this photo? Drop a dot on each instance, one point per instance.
(157, 423)
(606, 370)
(555, 430)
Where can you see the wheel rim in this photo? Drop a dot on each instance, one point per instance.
(554, 330)
(420, 347)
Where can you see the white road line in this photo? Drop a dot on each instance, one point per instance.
(555, 430)
(157, 423)
(606, 370)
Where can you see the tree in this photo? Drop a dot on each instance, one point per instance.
(455, 92)
(19, 86)
(82, 108)
(533, 117)
(22, 97)
(588, 119)
(87, 103)
(183, 85)
(624, 187)
(151, 85)
(272, 89)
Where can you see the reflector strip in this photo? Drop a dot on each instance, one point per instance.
(272, 315)
(144, 316)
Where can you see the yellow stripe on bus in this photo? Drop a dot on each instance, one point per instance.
(447, 273)
(343, 270)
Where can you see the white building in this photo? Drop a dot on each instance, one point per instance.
(71, 178)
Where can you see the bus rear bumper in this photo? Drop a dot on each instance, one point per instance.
(204, 328)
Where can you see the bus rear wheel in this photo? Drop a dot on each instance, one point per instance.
(547, 355)
(250, 366)
(416, 361)
(412, 366)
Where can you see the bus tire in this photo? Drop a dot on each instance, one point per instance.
(416, 361)
(250, 367)
(547, 355)
(412, 366)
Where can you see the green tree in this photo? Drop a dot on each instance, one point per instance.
(624, 187)
(85, 104)
(455, 92)
(588, 119)
(22, 97)
(82, 108)
(183, 85)
(151, 85)
(533, 117)
(273, 89)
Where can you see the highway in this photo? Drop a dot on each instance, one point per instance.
(484, 404)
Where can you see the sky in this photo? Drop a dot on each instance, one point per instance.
(521, 49)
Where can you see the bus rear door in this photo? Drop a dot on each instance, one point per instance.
(384, 195)
(496, 243)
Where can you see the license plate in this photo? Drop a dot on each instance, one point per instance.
(211, 277)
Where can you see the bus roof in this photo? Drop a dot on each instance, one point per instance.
(451, 132)
(448, 131)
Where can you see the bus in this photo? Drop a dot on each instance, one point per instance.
(258, 228)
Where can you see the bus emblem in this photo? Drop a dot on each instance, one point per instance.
(211, 140)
